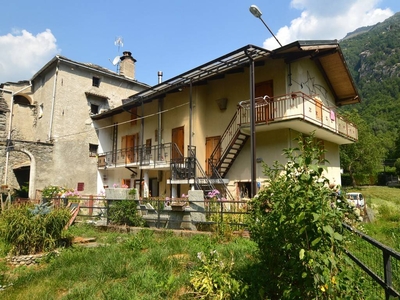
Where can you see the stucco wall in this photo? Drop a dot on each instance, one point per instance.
(60, 115)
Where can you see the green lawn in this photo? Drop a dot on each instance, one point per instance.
(126, 266)
(385, 204)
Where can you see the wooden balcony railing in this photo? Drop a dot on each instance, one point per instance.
(297, 106)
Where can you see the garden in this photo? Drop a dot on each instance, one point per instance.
(296, 249)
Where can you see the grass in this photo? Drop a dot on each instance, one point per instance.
(385, 205)
(141, 266)
(158, 266)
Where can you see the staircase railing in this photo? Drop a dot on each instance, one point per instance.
(222, 147)
(201, 180)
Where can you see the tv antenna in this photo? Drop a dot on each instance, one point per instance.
(119, 42)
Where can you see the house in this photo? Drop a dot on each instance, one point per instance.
(196, 130)
(47, 134)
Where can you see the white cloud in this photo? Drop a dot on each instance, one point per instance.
(23, 54)
(328, 20)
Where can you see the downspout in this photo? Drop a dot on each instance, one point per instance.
(160, 108)
(53, 101)
(143, 149)
(190, 115)
(252, 127)
(10, 128)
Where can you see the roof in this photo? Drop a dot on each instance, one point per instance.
(327, 54)
(331, 62)
(90, 66)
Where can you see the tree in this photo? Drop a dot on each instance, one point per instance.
(365, 156)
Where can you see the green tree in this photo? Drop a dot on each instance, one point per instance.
(365, 156)
(297, 223)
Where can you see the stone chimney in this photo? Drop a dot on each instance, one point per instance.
(127, 65)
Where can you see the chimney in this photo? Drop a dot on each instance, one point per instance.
(127, 65)
(160, 74)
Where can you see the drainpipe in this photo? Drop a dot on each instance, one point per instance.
(53, 101)
(10, 127)
(160, 108)
(190, 115)
(252, 127)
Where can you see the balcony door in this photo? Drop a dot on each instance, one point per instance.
(178, 139)
(129, 145)
(211, 143)
(264, 113)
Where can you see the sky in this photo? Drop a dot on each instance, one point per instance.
(170, 36)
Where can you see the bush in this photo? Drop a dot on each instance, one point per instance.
(33, 229)
(124, 212)
(297, 224)
(214, 280)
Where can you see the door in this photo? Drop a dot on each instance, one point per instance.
(264, 113)
(211, 144)
(178, 139)
(129, 148)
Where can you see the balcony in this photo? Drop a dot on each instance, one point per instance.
(301, 113)
(143, 157)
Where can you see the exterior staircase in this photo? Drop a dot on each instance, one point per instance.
(227, 150)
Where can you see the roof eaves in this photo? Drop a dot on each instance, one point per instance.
(217, 66)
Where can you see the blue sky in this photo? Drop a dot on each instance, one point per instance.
(170, 36)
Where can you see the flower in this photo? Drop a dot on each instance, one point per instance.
(115, 185)
(124, 186)
(214, 194)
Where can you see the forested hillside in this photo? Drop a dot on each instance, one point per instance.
(373, 57)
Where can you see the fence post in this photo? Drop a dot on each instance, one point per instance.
(158, 213)
(90, 205)
(107, 210)
(387, 267)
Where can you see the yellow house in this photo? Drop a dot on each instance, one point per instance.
(212, 126)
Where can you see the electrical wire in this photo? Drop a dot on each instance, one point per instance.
(117, 124)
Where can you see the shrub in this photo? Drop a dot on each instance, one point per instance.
(214, 280)
(297, 224)
(29, 230)
(124, 212)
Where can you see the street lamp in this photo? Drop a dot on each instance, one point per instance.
(255, 11)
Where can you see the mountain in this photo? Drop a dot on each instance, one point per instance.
(358, 31)
(373, 56)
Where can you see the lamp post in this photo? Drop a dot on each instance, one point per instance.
(255, 11)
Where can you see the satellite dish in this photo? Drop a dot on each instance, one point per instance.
(115, 60)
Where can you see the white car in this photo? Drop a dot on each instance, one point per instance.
(357, 199)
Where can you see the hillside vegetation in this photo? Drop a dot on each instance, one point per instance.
(373, 57)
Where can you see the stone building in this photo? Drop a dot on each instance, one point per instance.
(47, 135)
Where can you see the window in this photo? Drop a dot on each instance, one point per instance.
(80, 187)
(93, 150)
(94, 109)
(95, 81)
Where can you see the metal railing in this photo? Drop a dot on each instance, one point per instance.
(297, 106)
(153, 156)
(380, 262)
